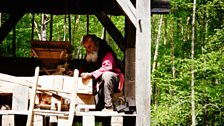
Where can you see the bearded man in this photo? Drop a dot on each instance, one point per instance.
(103, 67)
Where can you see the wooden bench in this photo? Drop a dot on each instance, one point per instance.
(48, 95)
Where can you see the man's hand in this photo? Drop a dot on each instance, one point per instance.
(86, 76)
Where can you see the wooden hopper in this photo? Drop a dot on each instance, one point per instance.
(51, 53)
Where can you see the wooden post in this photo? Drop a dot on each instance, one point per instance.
(143, 63)
(14, 42)
(87, 24)
(130, 32)
(88, 120)
(33, 17)
(70, 28)
(51, 27)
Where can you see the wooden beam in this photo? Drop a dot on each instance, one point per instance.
(33, 19)
(14, 42)
(160, 10)
(129, 10)
(70, 28)
(51, 26)
(130, 32)
(143, 62)
(130, 38)
(160, 6)
(112, 29)
(60, 6)
(9, 24)
(78, 6)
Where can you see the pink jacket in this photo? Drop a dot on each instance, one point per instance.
(109, 64)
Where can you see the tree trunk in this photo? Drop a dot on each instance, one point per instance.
(156, 89)
(59, 35)
(44, 27)
(70, 28)
(65, 21)
(173, 57)
(205, 66)
(76, 27)
(38, 32)
(165, 27)
(157, 43)
(186, 34)
(192, 67)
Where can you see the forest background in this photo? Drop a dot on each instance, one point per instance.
(172, 61)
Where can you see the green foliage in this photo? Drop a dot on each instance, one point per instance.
(171, 98)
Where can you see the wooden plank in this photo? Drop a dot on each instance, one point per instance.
(85, 106)
(32, 98)
(88, 120)
(73, 98)
(116, 121)
(6, 87)
(85, 87)
(52, 90)
(14, 80)
(131, 101)
(65, 113)
(53, 119)
(160, 10)
(38, 120)
(62, 121)
(93, 113)
(143, 63)
(112, 29)
(50, 112)
(129, 10)
(8, 120)
(57, 85)
(13, 112)
(20, 98)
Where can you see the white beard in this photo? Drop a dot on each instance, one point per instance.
(92, 57)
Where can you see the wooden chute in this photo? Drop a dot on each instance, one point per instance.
(51, 53)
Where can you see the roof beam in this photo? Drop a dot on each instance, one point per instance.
(112, 29)
(9, 24)
(129, 10)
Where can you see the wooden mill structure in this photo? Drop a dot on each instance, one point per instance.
(136, 43)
